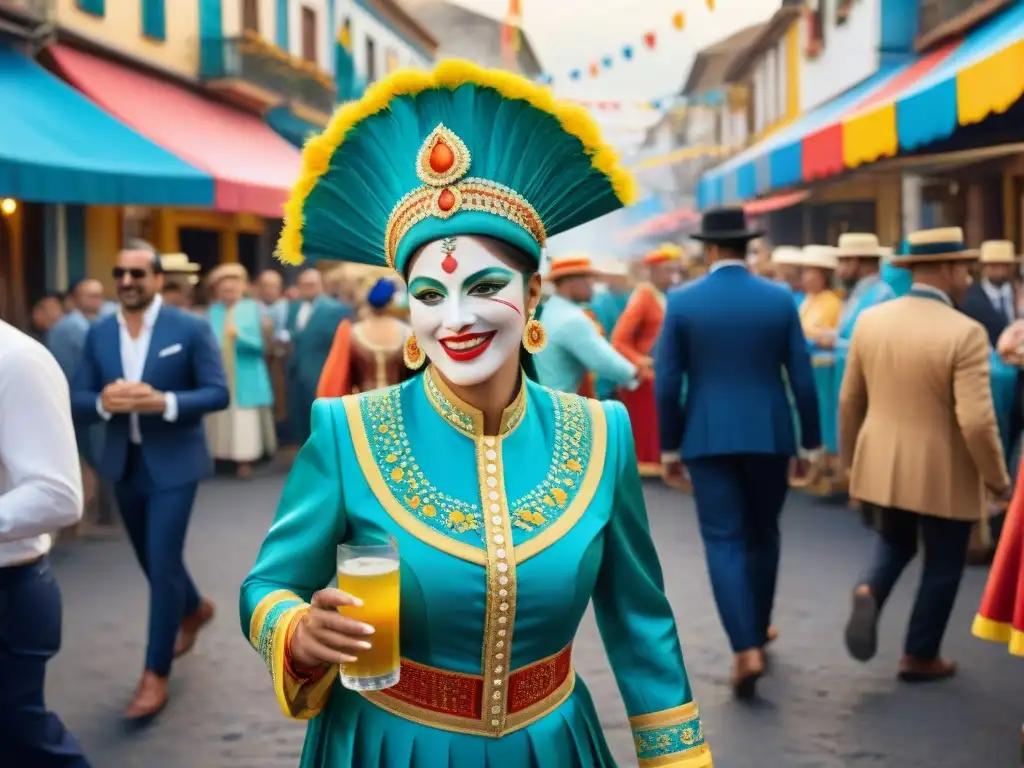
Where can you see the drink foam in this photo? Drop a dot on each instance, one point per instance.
(368, 566)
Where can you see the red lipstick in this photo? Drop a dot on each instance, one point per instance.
(466, 346)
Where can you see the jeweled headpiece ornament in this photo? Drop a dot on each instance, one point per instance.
(462, 150)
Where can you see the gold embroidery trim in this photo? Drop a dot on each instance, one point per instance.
(664, 718)
(588, 488)
(500, 611)
(464, 417)
(469, 194)
(461, 158)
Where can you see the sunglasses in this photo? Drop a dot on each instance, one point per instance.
(136, 273)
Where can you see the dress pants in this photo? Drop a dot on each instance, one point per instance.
(945, 555)
(157, 522)
(30, 635)
(739, 500)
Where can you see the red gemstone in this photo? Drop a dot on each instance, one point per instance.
(441, 157)
(449, 264)
(446, 200)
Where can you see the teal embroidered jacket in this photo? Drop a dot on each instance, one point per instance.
(503, 541)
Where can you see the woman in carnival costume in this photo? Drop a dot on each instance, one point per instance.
(512, 505)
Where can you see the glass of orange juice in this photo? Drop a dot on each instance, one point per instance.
(370, 572)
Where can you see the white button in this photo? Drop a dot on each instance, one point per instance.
(494, 723)
(502, 619)
(503, 580)
(489, 441)
(492, 495)
(503, 607)
(495, 710)
(502, 567)
(499, 539)
(491, 469)
(495, 508)
(499, 656)
(501, 633)
(500, 553)
(502, 592)
(496, 695)
(499, 670)
(492, 481)
(491, 455)
(496, 520)
(500, 644)
(497, 683)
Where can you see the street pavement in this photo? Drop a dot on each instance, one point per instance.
(819, 709)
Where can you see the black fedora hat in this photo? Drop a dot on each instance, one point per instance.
(724, 224)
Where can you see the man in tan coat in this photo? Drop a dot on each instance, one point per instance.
(918, 435)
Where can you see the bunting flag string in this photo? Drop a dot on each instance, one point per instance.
(649, 42)
(668, 103)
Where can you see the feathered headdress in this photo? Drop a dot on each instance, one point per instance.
(458, 151)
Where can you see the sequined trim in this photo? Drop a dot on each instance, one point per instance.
(674, 737)
(463, 416)
(266, 615)
(469, 194)
(381, 412)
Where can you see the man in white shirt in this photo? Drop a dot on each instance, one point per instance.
(40, 493)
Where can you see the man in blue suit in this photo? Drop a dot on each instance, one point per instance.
(312, 322)
(151, 372)
(733, 335)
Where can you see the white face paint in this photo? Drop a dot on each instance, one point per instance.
(467, 309)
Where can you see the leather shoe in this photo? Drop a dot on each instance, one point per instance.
(190, 627)
(915, 670)
(150, 698)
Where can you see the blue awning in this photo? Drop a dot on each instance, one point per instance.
(775, 162)
(59, 147)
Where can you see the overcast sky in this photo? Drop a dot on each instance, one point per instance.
(570, 34)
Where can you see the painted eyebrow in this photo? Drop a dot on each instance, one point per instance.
(491, 272)
(426, 282)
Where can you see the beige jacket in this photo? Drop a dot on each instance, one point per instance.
(917, 428)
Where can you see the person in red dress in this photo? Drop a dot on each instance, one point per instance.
(634, 338)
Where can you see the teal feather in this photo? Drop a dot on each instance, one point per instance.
(510, 142)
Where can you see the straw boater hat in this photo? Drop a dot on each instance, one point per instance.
(787, 255)
(998, 252)
(663, 253)
(570, 266)
(179, 264)
(818, 257)
(859, 245)
(226, 270)
(934, 245)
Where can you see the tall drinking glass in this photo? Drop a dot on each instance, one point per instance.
(370, 572)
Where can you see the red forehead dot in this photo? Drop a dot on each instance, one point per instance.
(449, 264)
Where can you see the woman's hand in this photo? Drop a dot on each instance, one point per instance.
(324, 636)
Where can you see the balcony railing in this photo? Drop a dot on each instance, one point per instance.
(252, 60)
(34, 10)
(938, 19)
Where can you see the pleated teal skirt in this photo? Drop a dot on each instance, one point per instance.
(355, 733)
(828, 400)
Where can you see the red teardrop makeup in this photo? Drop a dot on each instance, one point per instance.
(467, 308)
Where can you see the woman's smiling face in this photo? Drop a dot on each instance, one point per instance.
(467, 307)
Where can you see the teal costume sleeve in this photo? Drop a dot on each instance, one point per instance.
(249, 325)
(298, 557)
(637, 625)
(596, 353)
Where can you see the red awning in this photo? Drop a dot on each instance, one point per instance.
(253, 168)
(774, 203)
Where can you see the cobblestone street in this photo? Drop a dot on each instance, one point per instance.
(819, 708)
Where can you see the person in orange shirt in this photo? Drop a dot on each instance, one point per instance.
(634, 338)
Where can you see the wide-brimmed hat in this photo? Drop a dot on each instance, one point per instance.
(934, 245)
(178, 264)
(859, 245)
(787, 255)
(819, 257)
(720, 225)
(998, 252)
(663, 253)
(226, 270)
(570, 266)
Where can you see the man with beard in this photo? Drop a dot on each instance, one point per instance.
(918, 435)
(151, 372)
(860, 272)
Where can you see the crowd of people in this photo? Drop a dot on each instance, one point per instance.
(494, 426)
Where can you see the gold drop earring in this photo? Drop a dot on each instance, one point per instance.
(412, 354)
(535, 338)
